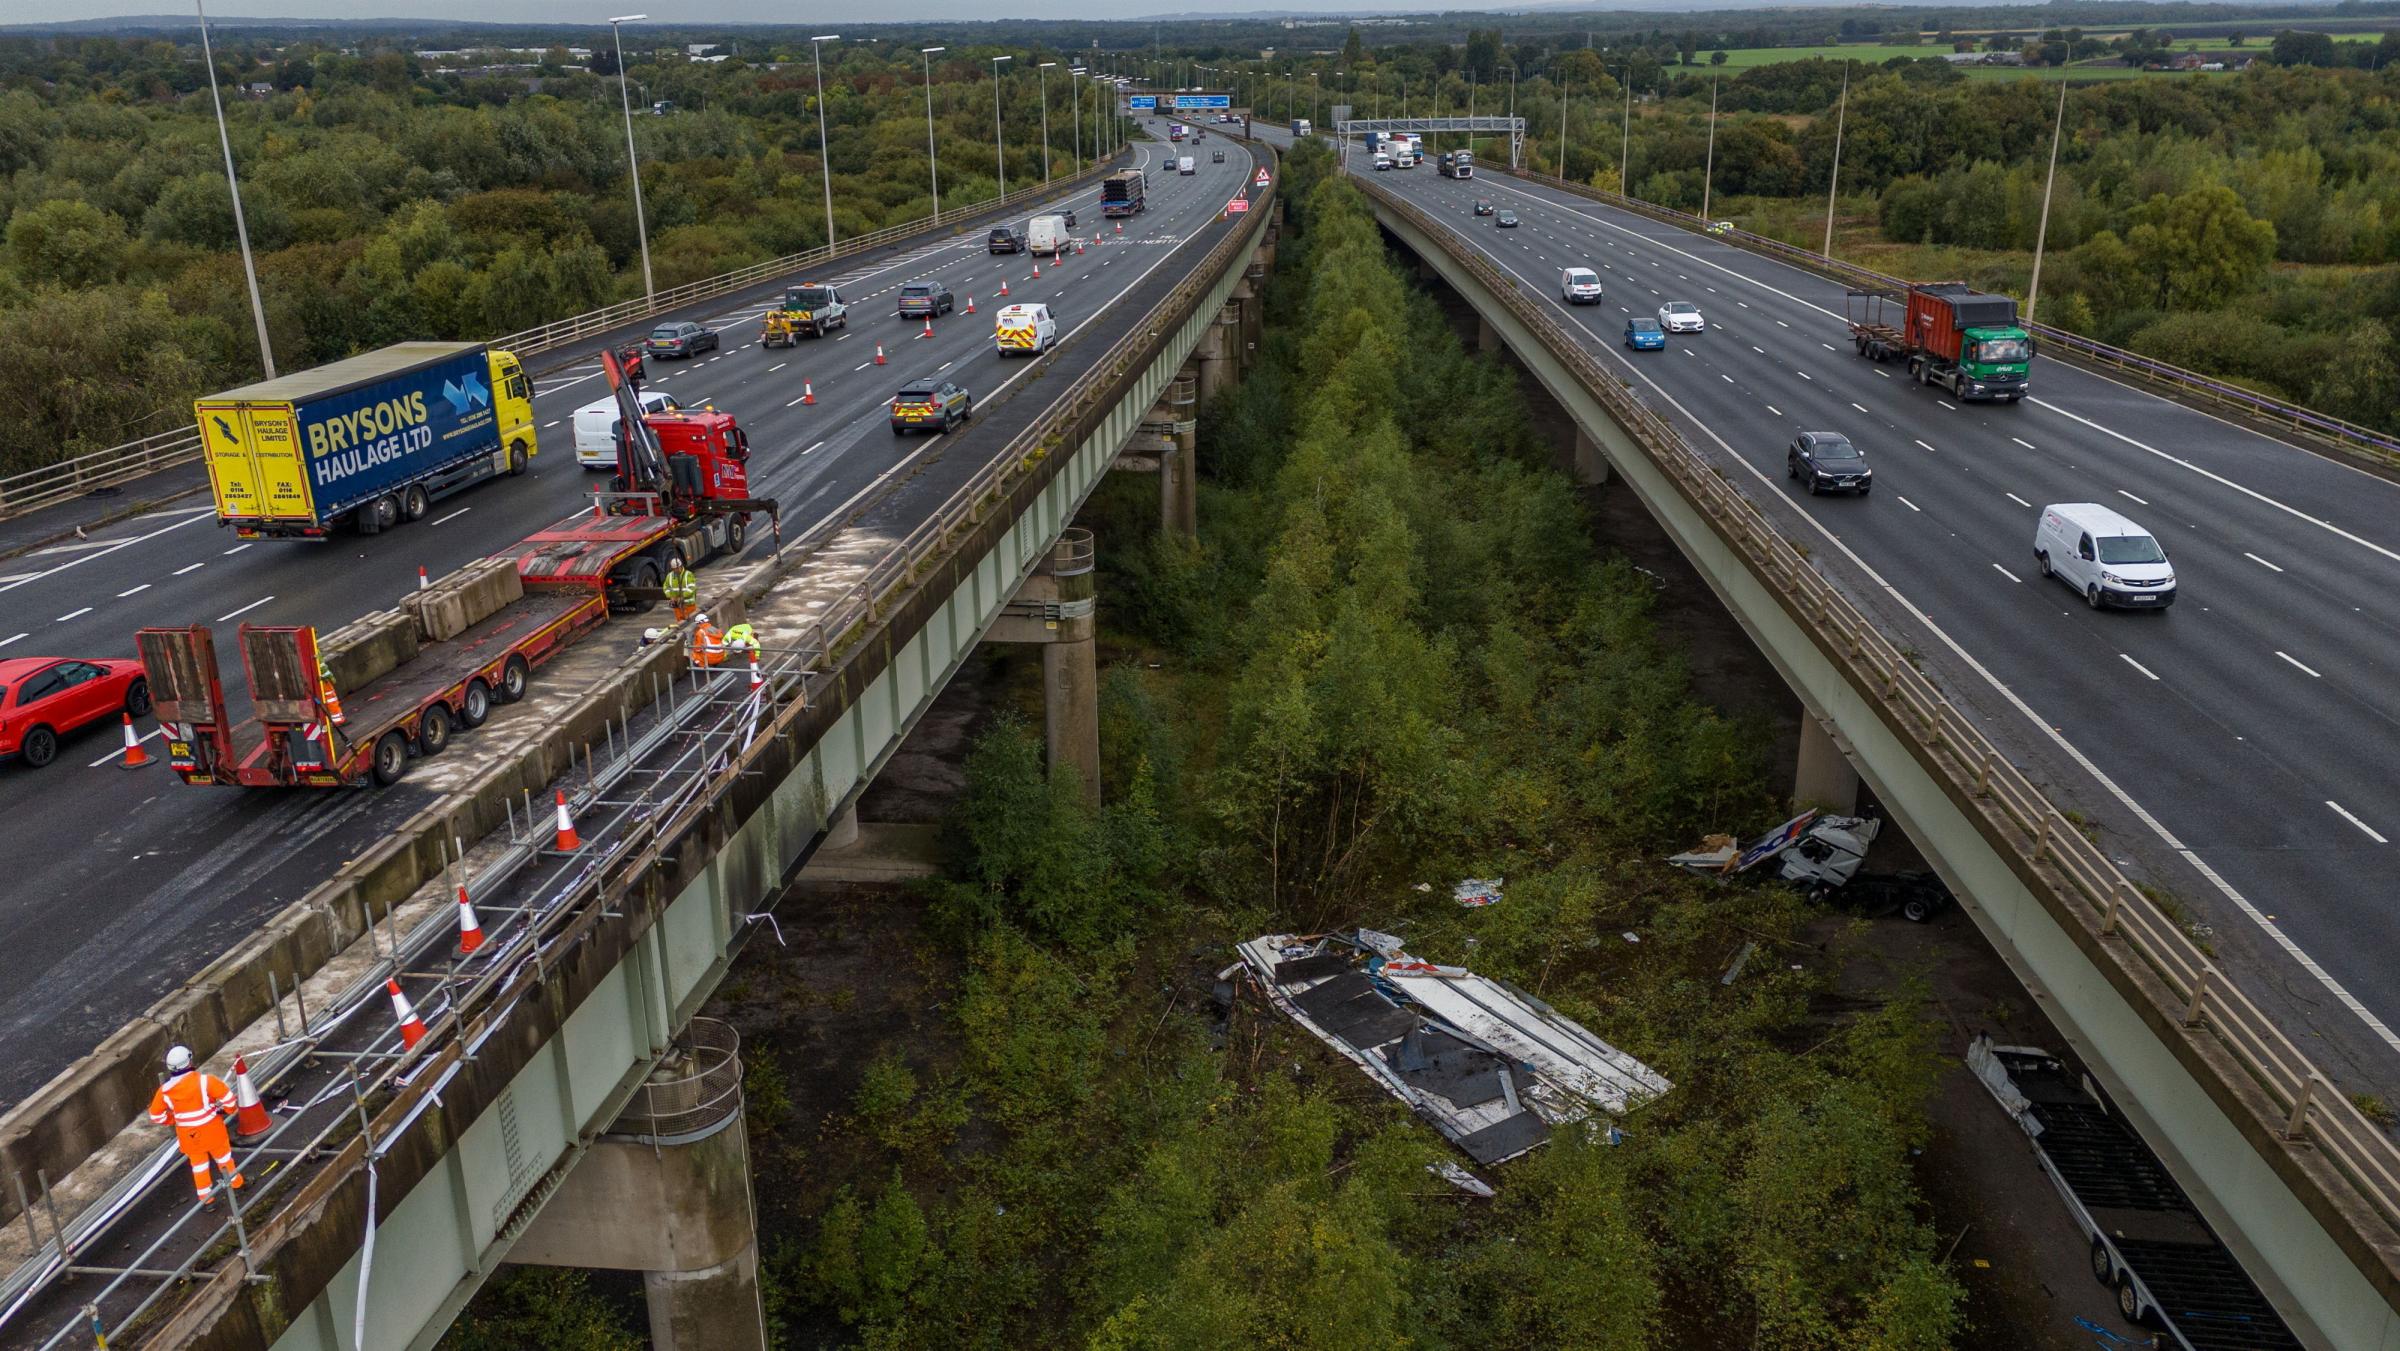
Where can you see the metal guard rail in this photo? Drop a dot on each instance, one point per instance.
(53, 483)
(2304, 1103)
(2224, 394)
(405, 1086)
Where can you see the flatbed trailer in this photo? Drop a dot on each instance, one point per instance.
(2148, 1243)
(293, 738)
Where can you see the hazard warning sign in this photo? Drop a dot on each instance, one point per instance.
(1261, 180)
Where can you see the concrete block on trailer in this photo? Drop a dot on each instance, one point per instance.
(464, 598)
(369, 647)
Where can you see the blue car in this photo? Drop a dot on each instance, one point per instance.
(1644, 335)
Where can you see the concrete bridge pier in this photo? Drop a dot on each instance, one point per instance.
(1057, 607)
(1824, 777)
(1591, 461)
(666, 1192)
(1220, 354)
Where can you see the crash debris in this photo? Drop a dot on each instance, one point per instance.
(1821, 854)
(1490, 1067)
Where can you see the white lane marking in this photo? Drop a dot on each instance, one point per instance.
(2345, 813)
(2009, 575)
(777, 366)
(1726, 378)
(72, 614)
(1773, 409)
(119, 753)
(10, 639)
(452, 516)
(1857, 405)
(861, 366)
(813, 449)
(795, 403)
(548, 425)
(1884, 373)
(143, 587)
(1827, 346)
(2129, 661)
(2260, 561)
(103, 552)
(2215, 477)
(1908, 504)
(1758, 349)
(2130, 497)
(2298, 663)
(245, 609)
(188, 567)
(1805, 376)
(1945, 405)
(2018, 500)
(1929, 447)
(239, 547)
(2023, 442)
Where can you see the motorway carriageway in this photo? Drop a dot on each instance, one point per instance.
(2237, 750)
(126, 884)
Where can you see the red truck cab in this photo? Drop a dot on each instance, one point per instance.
(707, 451)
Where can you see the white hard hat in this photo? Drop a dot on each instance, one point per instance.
(651, 635)
(674, 560)
(179, 1057)
(701, 618)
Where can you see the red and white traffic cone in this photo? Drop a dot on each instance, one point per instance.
(1079, 247)
(928, 327)
(422, 581)
(250, 1119)
(412, 1027)
(1004, 286)
(808, 393)
(970, 304)
(1037, 271)
(1120, 227)
(568, 840)
(756, 679)
(879, 354)
(135, 756)
(470, 932)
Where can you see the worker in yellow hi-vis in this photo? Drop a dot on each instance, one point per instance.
(741, 642)
(683, 590)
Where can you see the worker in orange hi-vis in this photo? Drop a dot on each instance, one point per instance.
(708, 645)
(196, 1103)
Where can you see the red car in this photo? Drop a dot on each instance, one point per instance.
(43, 699)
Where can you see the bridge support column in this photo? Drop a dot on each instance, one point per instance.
(842, 831)
(1591, 462)
(1824, 777)
(1058, 608)
(1219, 350)
(667, 1193)
(1487, 339)
(1254, 310)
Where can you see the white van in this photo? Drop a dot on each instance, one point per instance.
(2106, 558)
(1024, 330)
(1187, 165)
(1048, 234)
(596, 428)
(1579, 286)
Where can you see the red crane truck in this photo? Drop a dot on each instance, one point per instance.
(471, 643)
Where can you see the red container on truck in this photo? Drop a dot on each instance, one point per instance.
(407, 681)
(1950, 334)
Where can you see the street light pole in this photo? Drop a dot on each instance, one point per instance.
(1708, 175)
(1625, 145)
(641, 223)
(999, 136)
(2041, 234)
(1840, 118)
(241, 230)
(933, 162)
(824, 156)
(1075, 113)
(1045, 69)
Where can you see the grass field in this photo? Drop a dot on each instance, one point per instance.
(1875, 54)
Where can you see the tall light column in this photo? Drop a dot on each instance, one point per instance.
(241, 229)
(1840, 118)
(933, 162)
(641, 223)
(1075, 112)
(999, 135)
(2041, 234)
(1625, 145)
(1708, 175)
(824, 156)
(1045, 69)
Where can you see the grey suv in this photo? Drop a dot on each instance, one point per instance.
(932, 405)
(928, 298)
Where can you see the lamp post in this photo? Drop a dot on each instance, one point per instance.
(1625, 144)
(241, 230)
(1708, 175)
(641, 225)
(999, 136)
(933, 162)
(1075, 111)
(1515, 137)
(1044, 68)
(1840, 117)
(2041, 234)
(824, 156)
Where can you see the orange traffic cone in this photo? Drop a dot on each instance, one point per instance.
(568, 840)
(928, 327)
(808, 393)
(1079, 248)
(422, 583)
(250, 1119)
(1037, 271)
(412, 1027)
(470, 933)
(756, 679)
(970, 304)
(879, 354)
(1004, 286)
(135, 756)
(1120, 227)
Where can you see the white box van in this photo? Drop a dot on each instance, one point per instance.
(1048, 234)
(1579, 286)
(1187, 165)
(1024, 330)
(596, 428)
(2106, 558)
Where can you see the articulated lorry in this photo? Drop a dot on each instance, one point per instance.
(1121, 193)
(1457, 164)
(1301, 127)
(372, 440)
(1951, 335)
(359, 704)
(2149, 1246)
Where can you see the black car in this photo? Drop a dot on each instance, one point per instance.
(928, 298)
(1827, 463)
(1506, 220)
(934, 405)
(1069, 213)
(681, 340)
(1483, 206)
(1216, 157)
(1007, 239)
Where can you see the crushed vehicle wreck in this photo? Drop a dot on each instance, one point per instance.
(1821, 854)
(1490, 1067)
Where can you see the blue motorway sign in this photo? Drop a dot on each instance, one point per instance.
(1203, 100)
(1141, 100)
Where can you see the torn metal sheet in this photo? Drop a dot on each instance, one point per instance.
(1491, 1068)
(1477, 891)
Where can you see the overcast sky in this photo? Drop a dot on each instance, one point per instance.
(686, 11)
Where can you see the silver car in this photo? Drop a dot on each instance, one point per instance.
(1681, 316)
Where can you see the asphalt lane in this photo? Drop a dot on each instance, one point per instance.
(124, 885)
(2234, 749)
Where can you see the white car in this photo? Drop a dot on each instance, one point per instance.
(1681, 316)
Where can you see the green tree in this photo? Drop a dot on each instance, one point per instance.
(1718, 57)
(1352, 51)
(69, 243)
(538, 1306)
(2199, 248)
(2361, 383)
